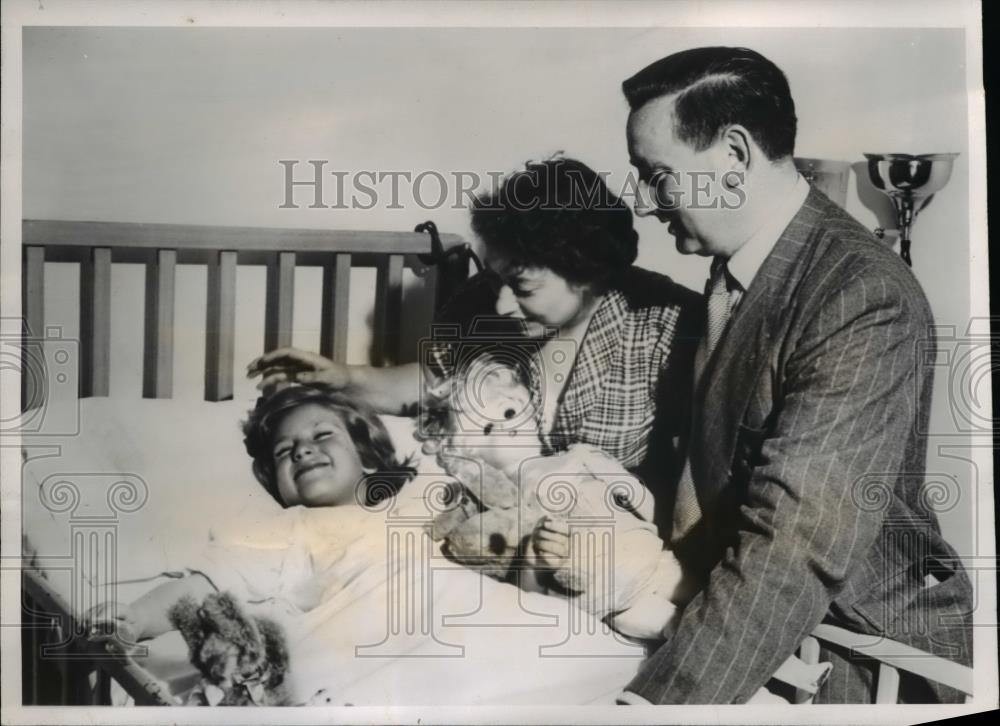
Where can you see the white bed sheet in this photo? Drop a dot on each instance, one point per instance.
(138, 490)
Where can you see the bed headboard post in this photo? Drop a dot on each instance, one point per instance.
(280, 299)
(336, 295)
(388, 310)
(220, 326)
(158, 360)
(33, 327)
(95, 323)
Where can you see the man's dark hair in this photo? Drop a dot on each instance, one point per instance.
(718, 86)
(559, 214)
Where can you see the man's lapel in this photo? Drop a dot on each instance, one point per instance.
(729, 378)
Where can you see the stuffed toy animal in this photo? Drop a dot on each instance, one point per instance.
(478, 421)
(243, 660)
(489, 525)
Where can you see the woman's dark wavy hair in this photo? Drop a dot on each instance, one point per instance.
(370, 437)
(718, 86)
(559, 214)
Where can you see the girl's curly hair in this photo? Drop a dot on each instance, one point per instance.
(559, 214)
(370, 437)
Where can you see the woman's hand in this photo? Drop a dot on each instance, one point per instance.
(113, 622)
(291, 365)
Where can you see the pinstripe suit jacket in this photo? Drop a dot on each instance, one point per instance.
(808, 468)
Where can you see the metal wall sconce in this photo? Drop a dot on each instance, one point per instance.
(910, 180)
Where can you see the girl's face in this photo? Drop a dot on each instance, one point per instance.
(315, 460)
(538, 296)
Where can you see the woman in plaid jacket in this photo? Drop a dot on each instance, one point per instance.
(609, 345)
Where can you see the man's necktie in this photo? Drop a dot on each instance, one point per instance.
(719, 302)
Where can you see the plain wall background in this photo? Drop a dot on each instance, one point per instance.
(187, 126)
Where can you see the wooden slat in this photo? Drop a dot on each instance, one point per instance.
(900, 655)
(33, 291)
(280, 301)
(95, 323)
(158, 363)
(388, 310)
(335, 300)
(31, 675)
(102, 689)
(220, 327)
(888, 684)
(809, 653)
(33, 311)
(206, 237)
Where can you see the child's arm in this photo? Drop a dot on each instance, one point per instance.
(636, 573)
(150, 610)
(147, 616)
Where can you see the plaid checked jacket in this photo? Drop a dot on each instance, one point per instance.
(634, 347)
(630, 383)
(808, 464)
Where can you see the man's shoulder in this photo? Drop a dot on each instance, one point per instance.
(845, 253)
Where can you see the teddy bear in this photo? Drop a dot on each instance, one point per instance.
(482, 423)
(243, 660)
(489, 522)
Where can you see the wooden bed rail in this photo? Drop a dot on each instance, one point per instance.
(65, 670)
(161, 247)
(892, 657)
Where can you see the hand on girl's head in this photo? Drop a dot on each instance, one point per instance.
(291, 365)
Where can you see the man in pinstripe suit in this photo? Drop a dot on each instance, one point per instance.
(801, 501)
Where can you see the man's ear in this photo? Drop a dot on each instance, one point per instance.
(738, 146)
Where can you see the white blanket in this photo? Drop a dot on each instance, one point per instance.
(139, 489)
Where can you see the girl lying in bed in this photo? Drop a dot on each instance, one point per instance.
(316, 452)
(323, 569)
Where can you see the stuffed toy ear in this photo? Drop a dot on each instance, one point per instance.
(275, 651)
(183, 615)
(445, 522)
